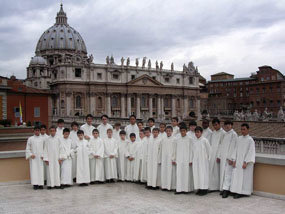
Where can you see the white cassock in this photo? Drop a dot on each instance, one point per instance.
(51, 154)
(184, 174)
(214, 167)
(131, 152)
(59, 132)
(87, 130)
(191, 134)
(176, 130)
(200, 162)
(161, 135)
(97, 164)
(116, 134)
(153, 162)
(66, 153)
(151, 128)
(168, 171)
(226, 149)
(82, 167)
(138, 160)
(122, 159)
(144, 151)
(44, 136)
(242, 179)
(132, 129)
(103, 130)
(35, 147)
(207, 133)
(111, 148)
(73, 136)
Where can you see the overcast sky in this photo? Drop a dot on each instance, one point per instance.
(234, 36)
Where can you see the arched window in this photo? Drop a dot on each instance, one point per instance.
(78, 102)
(100, 103)
(62, 103)
(114, 102)
(178, 103)
(192, 102)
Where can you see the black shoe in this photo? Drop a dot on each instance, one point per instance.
(74, 180)
(198, 192)
(57, 187)
(41, 187)
(236, 196)
(49, 188)
(178, 193)
(203, 192)
(62, 186)
(222, 192)
(93, 182)
(35, 187)
(148, 187)
(225, 194)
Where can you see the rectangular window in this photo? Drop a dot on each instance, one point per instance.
(99, 76)
(154, 77)
(37, 112)
(17, 111)
(178, 81)
(78, 72)
(166, 79)
(133, 77)
(191, 80)
(116, 76)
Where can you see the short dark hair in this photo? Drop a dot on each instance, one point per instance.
(74, 123)
(198, 128)
(37, 128)
(228, 122)
(245, 125)
(169, 127)
(95, 130)
(123, 132)
(147, 129)
(117, 124)
(151, 119)
(66, 130)
(175, 118)
(155, 129)
(134, 116)
(182, 124)
(215, 120)
(192, 123)
(104, 115)
(80, 132)
(183, 128)
(43, 126)
(162, 124)
(89, 115)
(132, 135)
(140, 122)
(110, 129)
(206, 121)
(60, 121)
(52, 127)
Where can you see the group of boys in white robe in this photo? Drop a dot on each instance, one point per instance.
(214, 161)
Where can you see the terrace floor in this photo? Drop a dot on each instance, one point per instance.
(125, 198)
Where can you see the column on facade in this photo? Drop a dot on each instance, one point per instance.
(123, 108)
(92, 104)
(129, 110)
(57, 105)
(138, 109)
(198, 109)
(158, 107)
(162, 108)
(68, 104)
(173, 107)
(108, 105)
(150, 106)
(185, 107)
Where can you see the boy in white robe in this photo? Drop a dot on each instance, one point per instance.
(192, 126)
(182, 160)
(131, 157)
(66, 153)
(44, 135)
(162, 132)
(122, 156)
(151, 124)
(96, 158)
(145, 143)
(207, 132)
(34, 153)
(51, 158)
(116, 131)
(200, 162)
(111, 154)
(132, 127)
(174, 124)
(243, 163)
(82, 162)
(168, 170)
(73, 136)
(140, 126)
(225, 152)
(154, 161)
(139, 158)
(104, 126)
(214, 167)
(87, 128)
(60, 127)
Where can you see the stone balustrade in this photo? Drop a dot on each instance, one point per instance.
(266, 145)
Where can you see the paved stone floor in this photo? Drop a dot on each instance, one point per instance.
(125, 198)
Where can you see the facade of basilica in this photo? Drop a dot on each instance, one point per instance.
(62, 65)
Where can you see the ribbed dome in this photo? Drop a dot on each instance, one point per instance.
(61, 37)
(38, 60)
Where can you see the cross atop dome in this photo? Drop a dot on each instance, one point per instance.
(61, 18)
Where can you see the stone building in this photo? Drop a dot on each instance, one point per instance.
(61, 64)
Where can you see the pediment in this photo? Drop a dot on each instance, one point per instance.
(145, 80)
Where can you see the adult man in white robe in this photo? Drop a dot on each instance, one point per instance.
(243, 163)
(214, 168)
(168, 170)
(87, 128)
(145, 144)
(34, 153)
(154, 160)
(111, 154)
(51, 158)
(182, 159)
(207, 132)
(132, 127)
(59, 128)
(225, 152)
(200, 162)
(97, 158)
(104, 126)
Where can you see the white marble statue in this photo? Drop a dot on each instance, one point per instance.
(172, 66)
(144, 62)
(128, 61)
(149, 64)
(255, 115)
(137, 62)
(122, 61)
(281, 115)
